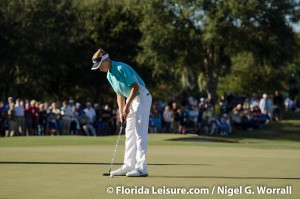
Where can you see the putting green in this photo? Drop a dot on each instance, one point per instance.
(72, 167)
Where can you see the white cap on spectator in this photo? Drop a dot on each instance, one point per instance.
(78, 104)
(265, 95)
(71, 101)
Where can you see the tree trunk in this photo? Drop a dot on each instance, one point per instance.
(211, 72)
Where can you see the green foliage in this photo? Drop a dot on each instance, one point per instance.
(175, 45)
(247, 78)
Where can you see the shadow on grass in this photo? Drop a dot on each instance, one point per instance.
(91, 163)
(281, 130)
(228, 177)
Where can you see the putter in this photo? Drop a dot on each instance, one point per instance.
(115, 151)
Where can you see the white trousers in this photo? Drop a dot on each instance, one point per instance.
(137, 132)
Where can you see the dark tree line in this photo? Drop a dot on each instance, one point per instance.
(176, 45)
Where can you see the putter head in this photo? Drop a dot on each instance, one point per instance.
(107, 174)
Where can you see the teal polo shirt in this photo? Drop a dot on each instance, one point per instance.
(121, 77)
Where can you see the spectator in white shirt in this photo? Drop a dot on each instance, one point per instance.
(91, 114)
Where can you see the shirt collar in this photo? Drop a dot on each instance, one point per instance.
(114, 69)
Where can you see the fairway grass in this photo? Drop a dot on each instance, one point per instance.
(72, 167)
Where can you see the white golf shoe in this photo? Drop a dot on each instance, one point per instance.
(136, 173)
(121, 171)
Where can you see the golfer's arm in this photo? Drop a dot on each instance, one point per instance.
(133, 93)
(121, 102)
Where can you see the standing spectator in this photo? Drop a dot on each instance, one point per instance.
(66, 114)
(58, 118)
(11, 120)
(98, 116)
(75, 125)
(193, 117)
(289, 104)
(265, 104)
(19, 116)
(52, 126)
(210, 103)
(184, 118)
(206, 119)
(3, 119)
(34, 116)
(28, 120)
(278, 105)
(78, 109)
(91, 114)
(42, 120)
(223, 104)
(106, 119)
(175, 123)
(10, 100)
(168, 119)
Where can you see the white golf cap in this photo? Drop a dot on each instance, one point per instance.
(97, 62)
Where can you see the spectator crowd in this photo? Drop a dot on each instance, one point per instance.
(30, 117)
(197, 115)
(204, 115)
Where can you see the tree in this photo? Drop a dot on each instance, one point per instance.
(215, 31)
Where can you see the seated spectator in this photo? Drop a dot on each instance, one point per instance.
(264, 117)
(90, 113)
(255, 120)
(236, 119)
(155, 122)
(215, 126)
(238, 108)
(205, 125)
(225, 125)
(86, 125)
(206, 120)
(245, 121)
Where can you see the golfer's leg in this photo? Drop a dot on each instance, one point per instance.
(130, 143)
(142, 122)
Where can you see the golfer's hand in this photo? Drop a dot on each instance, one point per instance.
(125, 112)
(121, 117)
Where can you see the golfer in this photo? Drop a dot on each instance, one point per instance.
(134, 111)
